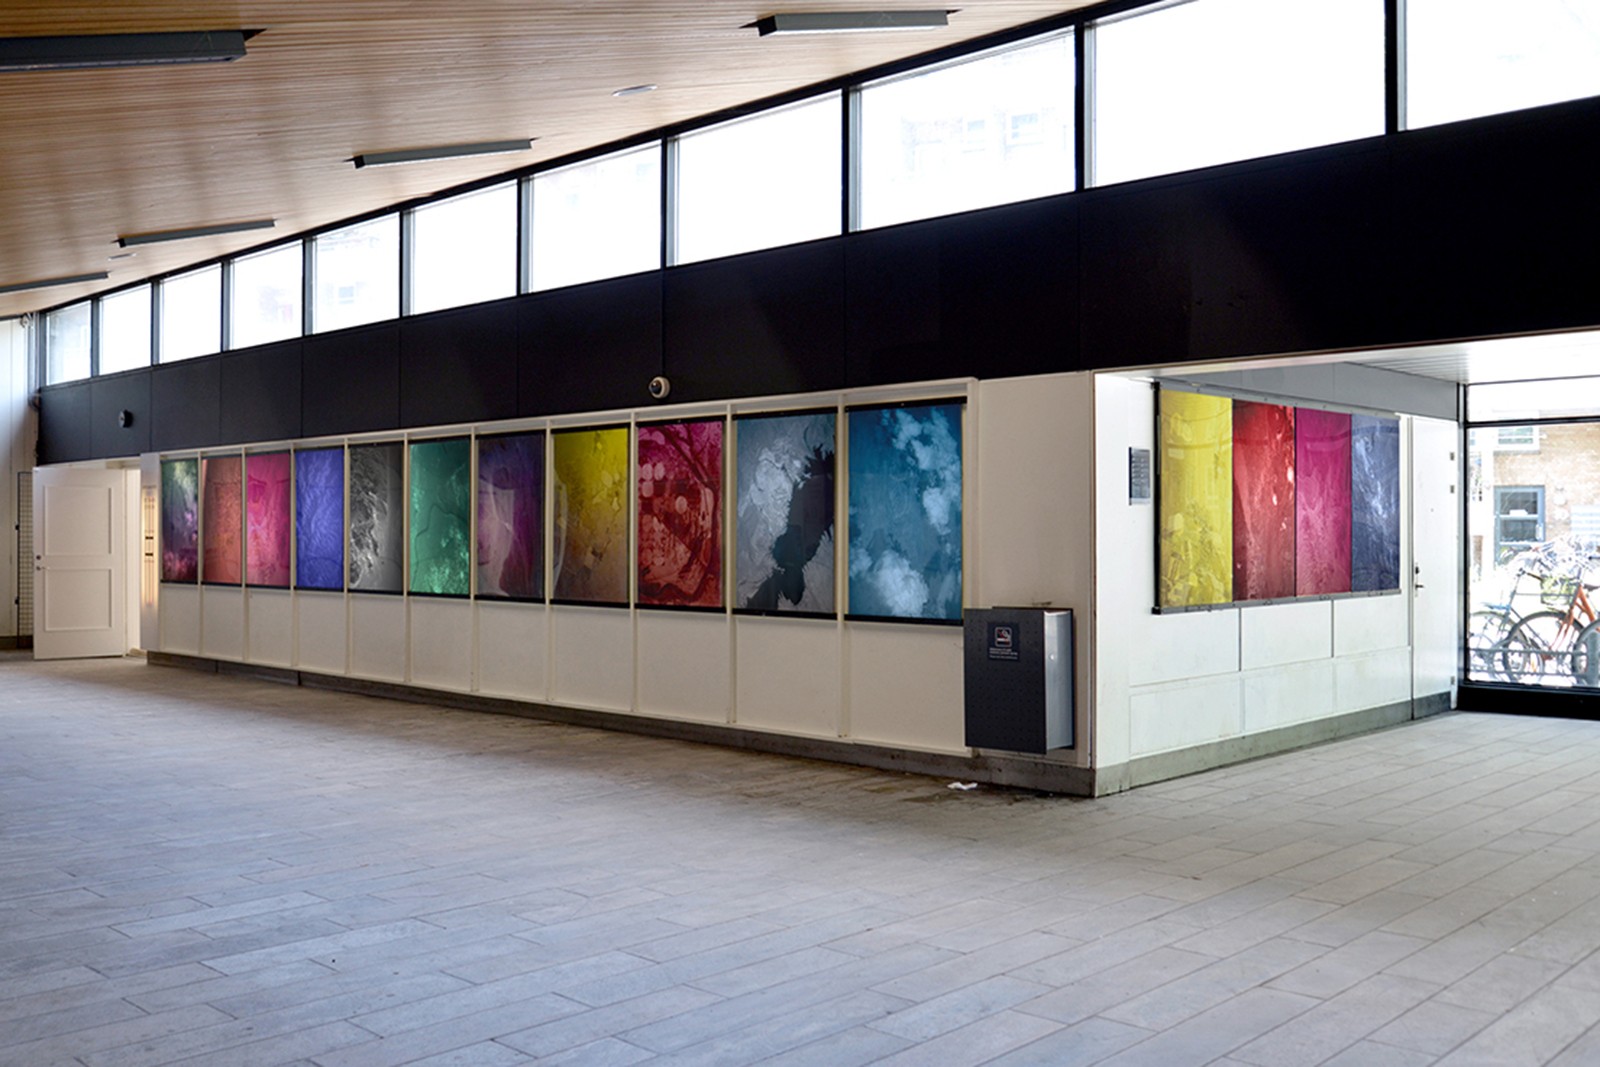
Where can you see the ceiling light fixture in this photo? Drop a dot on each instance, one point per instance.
(197, 231)
(447, 151)
(850, 21)
(46, 283)
(121, 50)
(634, 90)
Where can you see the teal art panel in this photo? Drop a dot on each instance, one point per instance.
(441, 516)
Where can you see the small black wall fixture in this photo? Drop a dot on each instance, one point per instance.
(125, 418)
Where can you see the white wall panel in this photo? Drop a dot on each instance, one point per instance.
(906, 685)
(685, 664)
(1283, 696)
(512, 650)
(271, 637)
(1367, 624)
(180, 619)
(378, 637)
(1165, 648)
(222, 621)
(591, 655)
(1163, 718)
(1274, 634)
(787, 675)
(1372, 680)
(321, 634)
(441, 643)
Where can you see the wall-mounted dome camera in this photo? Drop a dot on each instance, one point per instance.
(124, 418)
(660, 387)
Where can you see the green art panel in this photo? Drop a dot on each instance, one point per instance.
(1195, 439)
(441, 516)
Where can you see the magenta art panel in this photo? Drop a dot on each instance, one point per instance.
(680, 514)
(266, 519)
(1322, 502)
(1263, 500)
(221, 519)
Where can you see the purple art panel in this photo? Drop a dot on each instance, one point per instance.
(1263, 501)
(1322, 502)
(266, 517)
(511, 516)
(680, 514)
(222, 519)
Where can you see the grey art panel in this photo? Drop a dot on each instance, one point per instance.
(784, 552)
(377, 517)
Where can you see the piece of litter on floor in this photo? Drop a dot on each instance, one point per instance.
(963, 786)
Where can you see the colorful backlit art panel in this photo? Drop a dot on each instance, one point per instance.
(784, 548)
(1322, 502)
(222, 519)
(1263, 501)
(511, 516)
(441, 516)
(266, 519)
(1196, 499)
(319, 518)
(1374, 503)
(680, 514)
(905, 511)
(180, 520)
(377, 517)
(591, 515)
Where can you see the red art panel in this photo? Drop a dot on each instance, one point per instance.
(1263, 501)
(222, 519)
(266, 476)
(1322, 502)
(680, 514)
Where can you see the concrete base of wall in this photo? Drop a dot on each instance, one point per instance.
(1011, 770)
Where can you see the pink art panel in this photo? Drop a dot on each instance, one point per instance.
(222, 521)
(1322, 502)
(1263, 501)
(680, 514)
(266, 477)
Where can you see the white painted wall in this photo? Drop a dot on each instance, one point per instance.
(18, 436)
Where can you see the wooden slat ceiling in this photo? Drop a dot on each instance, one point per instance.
(88, 155)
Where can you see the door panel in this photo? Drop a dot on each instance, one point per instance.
(80, 561)
(1435, 557)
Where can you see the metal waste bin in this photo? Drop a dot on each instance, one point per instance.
(1019, 678)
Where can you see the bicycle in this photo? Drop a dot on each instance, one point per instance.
(1561, 644)
(1490, 626)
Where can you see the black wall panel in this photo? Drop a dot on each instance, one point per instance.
(459, 365)
(589, 347)
(764, 322)
(109, 398)
(186, 404)
(350, 381)
(261, 393)
(65, 423)
(921, 299)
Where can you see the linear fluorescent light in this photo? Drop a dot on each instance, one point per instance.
(120, 50)
(446, 151)
(46, 283)
(850, 21)
(158, 236)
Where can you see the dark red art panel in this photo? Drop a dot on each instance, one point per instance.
(680, 514)
(1322, 502)
(1263, 501)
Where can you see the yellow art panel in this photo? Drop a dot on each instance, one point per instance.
(591, 515)
(1196, 553)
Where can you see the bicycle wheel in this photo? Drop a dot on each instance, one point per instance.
(1537, 650)
(1486, 634)
(1585, 656)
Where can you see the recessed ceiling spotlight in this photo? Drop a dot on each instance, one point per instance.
(159, 236)
(46, 283)
(849, 21)
(444, 151)
(634, 90)
(84, 51)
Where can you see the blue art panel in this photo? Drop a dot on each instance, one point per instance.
(319, 518)
(784, 546)
(1374, 503)
(905, 512)
(377, 517)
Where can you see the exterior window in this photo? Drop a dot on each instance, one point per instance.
(125, 330)
(599, 219)
(771, 179)
(1518, 519)
(1466, 58)
(358, 274)
(464, 250)
(988, 130)
(1213, 81)
(191, 314)
(66, 344)
(267, 295)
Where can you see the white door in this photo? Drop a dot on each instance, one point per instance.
(79, 563)
(1436, 626)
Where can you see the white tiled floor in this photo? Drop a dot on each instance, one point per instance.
(207, 870)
